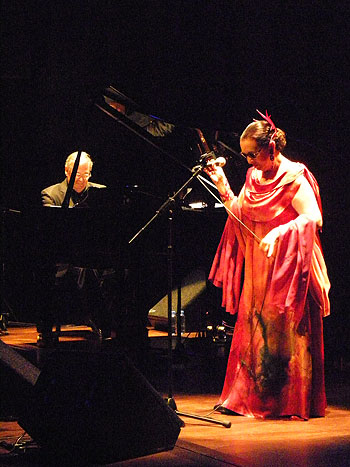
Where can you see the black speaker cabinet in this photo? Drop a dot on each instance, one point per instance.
(97, 408)
(17, 379)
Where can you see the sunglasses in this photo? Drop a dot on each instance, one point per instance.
(252, 155)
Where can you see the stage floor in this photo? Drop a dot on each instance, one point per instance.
(248, 442)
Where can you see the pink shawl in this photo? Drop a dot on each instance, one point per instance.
(299, 265)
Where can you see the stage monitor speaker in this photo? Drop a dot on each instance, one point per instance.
(17, 379)
(192, 287)
(97, 408)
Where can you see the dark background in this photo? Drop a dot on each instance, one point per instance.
(199, 64)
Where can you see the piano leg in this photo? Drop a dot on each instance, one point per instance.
(44, 303)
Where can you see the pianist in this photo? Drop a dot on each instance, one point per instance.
(65, 283)
(82, 189)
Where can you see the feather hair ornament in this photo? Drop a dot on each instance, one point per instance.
(267, 117)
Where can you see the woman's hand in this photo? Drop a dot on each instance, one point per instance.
(218, 176)
(269, 242)
(215, 172)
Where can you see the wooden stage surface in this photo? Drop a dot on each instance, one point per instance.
(248, 442)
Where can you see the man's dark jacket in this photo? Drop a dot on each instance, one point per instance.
(54, 194)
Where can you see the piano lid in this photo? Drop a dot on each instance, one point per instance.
(180, 145)
(152, 124)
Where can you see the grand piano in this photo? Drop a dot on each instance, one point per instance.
(103, 236)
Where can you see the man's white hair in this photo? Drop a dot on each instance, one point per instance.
(83, 157)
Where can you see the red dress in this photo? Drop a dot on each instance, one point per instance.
(275, 366)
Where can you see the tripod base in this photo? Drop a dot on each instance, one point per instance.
(172, 404)
(205, 419)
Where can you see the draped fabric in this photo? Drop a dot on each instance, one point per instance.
(275, 366)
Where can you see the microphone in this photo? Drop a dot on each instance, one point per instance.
(206, 157)
(209, 159)
(220, 161)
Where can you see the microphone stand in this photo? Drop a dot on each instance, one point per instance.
(168, 204)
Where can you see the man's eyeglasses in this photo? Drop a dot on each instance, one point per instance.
(85, 176)
(252, 155)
